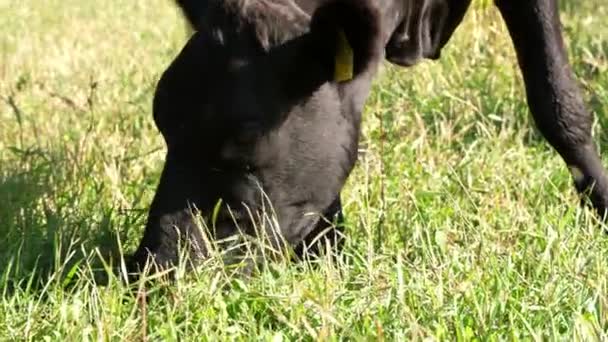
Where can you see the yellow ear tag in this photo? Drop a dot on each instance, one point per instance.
(344, 59)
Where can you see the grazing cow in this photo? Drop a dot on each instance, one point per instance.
(263, 106)
(261, 110)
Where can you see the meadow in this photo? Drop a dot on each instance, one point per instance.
(462, 222)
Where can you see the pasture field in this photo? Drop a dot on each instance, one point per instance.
(462, 222)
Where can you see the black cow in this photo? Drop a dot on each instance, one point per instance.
(252, 112)
(252, 116)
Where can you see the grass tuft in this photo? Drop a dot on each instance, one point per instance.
(461, 222)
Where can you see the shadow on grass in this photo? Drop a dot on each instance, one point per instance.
(52, 221)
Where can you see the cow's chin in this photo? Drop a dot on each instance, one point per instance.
(409, 60)
(408, 53)
(404, 60)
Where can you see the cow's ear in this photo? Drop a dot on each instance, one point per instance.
(193, 11)
(349, 32)
(344, 41)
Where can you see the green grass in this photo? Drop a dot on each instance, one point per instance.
(462, 222)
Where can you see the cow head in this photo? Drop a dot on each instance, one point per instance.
(414, 29)
(255, 121)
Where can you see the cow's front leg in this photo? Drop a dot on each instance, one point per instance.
(553, 96)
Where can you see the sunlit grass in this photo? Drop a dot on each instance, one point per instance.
(462, 222)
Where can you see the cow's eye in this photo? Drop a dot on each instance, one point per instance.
(237, 152)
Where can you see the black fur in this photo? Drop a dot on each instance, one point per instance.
(250, 103)
(193, 10)
(359, 20)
